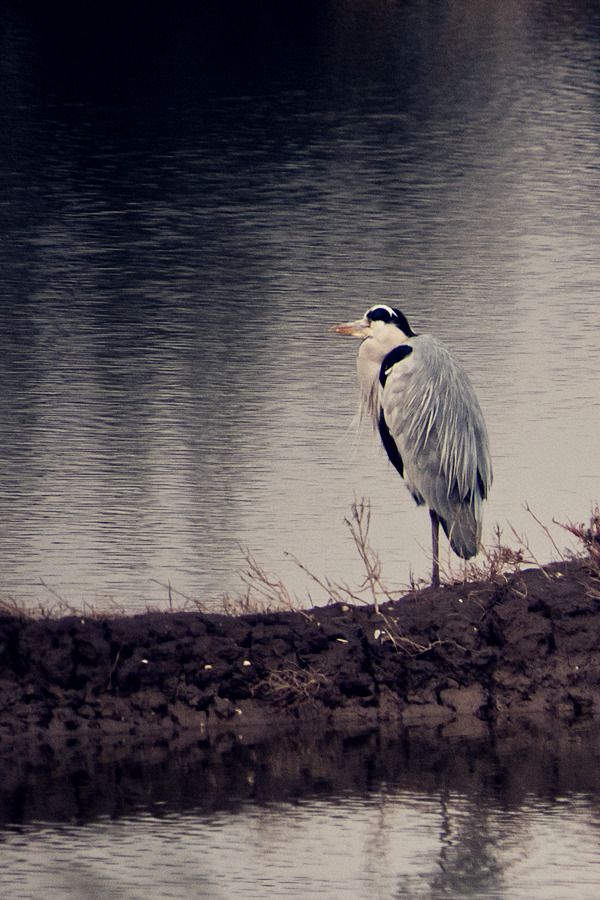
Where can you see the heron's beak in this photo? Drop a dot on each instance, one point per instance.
(359, 328)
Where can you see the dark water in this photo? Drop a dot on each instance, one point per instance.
(190, 198)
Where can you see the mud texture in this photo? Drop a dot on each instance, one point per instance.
(462, 658)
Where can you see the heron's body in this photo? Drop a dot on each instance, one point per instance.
(421, 401)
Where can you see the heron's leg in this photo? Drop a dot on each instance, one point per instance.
(435, 545)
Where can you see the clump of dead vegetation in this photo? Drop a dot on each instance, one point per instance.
(373, 588)
(289, 686)
(264, 593)
(495, 562)
(499, 560)
(589, 536)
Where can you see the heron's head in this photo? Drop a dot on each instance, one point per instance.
(382, 323)
(382, 330)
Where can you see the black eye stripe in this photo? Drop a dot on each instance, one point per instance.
(393, 357)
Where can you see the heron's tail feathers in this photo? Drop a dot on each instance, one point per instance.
(463, 530)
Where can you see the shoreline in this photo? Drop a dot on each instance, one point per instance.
(462, 659)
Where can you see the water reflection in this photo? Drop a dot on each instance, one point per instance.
(178, 233)
(413, 816)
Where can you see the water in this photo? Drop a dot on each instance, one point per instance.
(369, 817)
(181, 222)
(392, 846)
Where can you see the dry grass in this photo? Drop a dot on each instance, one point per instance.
(263, 593)
(499, 560)
(372, 589)
(56, 607)
(495, 563)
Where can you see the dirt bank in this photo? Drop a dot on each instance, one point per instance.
(460, 658)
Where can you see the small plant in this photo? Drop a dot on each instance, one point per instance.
(500, 560)
(373, 589)
(497, 560)
(262, 594)
(589, 536)
(183, 602)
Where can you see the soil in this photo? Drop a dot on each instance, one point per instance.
(463, 659)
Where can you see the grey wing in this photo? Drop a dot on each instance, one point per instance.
(436, 424)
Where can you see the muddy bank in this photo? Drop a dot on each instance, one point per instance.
(460, 658)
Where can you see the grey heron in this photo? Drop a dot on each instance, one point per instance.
(421, 401)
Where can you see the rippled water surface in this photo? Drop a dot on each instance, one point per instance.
(188, 202)
(386, 846)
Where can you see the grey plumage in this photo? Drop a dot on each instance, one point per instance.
(420, 399)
